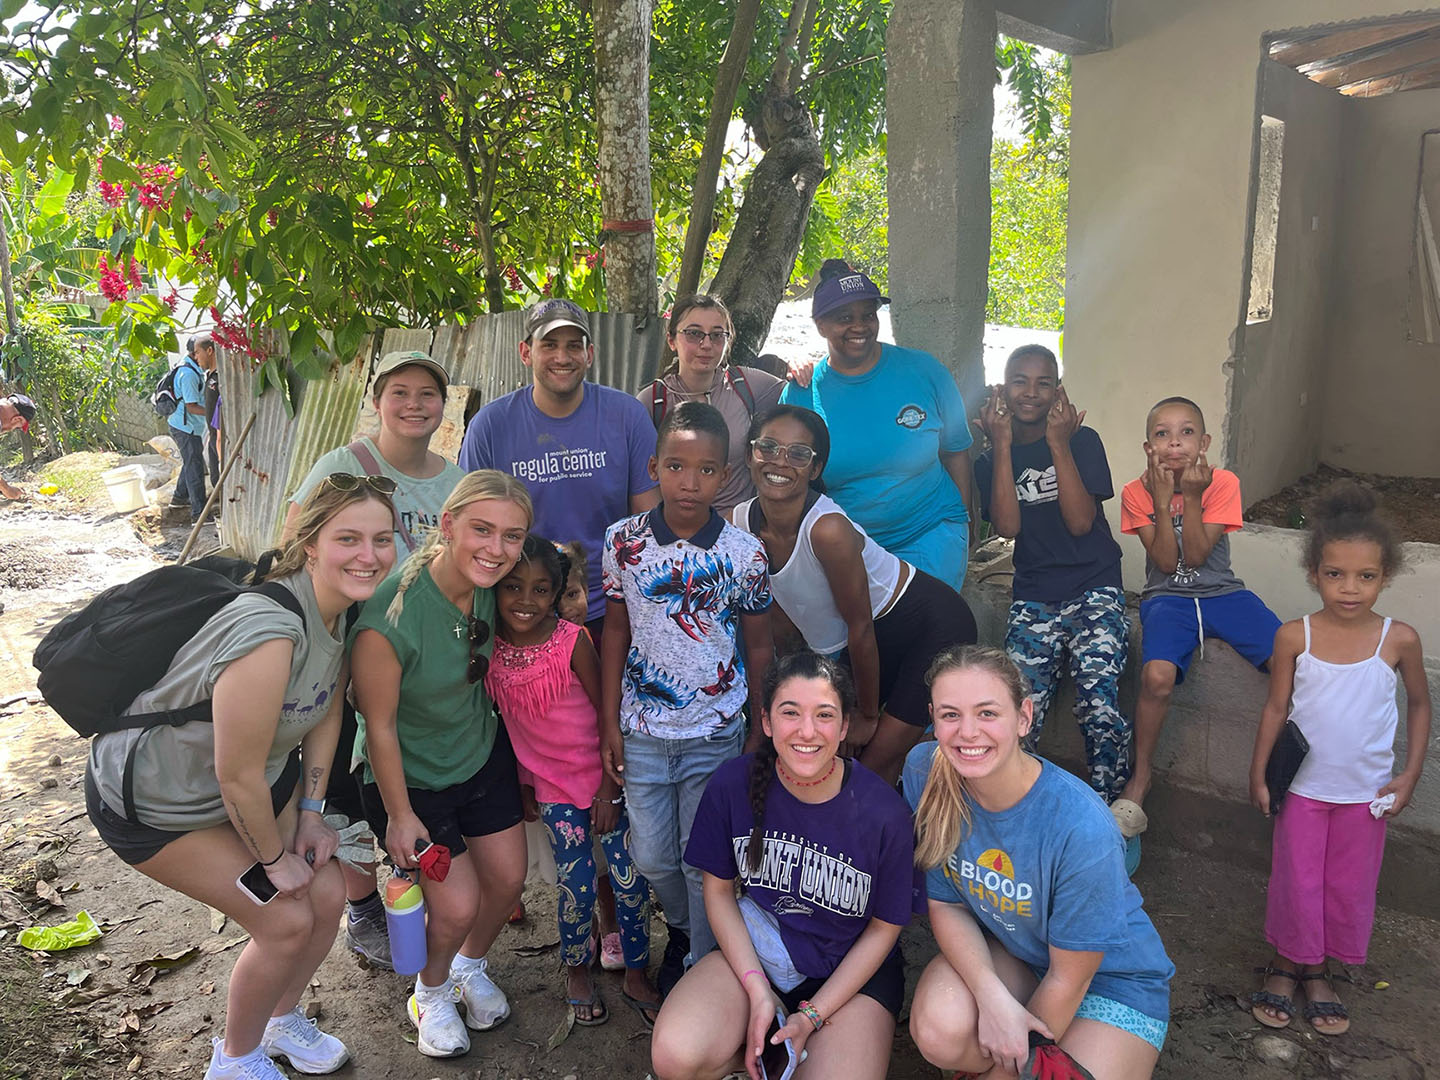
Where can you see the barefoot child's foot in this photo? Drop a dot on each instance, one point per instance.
(1273, 1004)
(1323, 1007)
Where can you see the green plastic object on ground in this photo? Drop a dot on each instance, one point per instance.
(81, 930)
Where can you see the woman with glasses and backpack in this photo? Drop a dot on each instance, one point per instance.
(198, 806)
(844, 592)
(699, 334)
(437, 755)
(409, 394)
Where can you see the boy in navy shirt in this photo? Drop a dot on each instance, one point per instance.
(1041, 483)
(680, 584)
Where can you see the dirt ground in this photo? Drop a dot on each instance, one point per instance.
(145, 999)
(1411, 503)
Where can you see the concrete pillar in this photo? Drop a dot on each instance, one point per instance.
(940, 60)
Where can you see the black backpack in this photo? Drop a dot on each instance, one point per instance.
(95, 662)
(164, 400)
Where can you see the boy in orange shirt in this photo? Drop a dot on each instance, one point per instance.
(1190, 591)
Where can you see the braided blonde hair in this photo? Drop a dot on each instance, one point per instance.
(943, 813)
(324, 503)
(478, 486)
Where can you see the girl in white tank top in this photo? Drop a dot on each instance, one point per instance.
(1335, 675)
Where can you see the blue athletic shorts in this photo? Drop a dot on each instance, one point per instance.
(1108, 1011)
(1173, 627)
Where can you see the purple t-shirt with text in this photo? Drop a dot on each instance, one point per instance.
(580, 470)
(829, 868)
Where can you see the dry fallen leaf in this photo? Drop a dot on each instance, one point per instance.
(217, 920)
(207, 987)
(47, 892)
(562, 1032)
(134, 1066)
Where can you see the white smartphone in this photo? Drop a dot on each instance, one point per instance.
(256, 884)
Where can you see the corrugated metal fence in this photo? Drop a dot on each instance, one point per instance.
(483, 355)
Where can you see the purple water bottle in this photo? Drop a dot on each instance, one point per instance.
(405, 921)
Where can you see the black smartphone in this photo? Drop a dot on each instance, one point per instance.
(777, 1061)
(256, 884)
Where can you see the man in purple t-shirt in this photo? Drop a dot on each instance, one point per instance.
(582, 449)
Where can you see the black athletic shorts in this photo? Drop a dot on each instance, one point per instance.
(487, 803)
(342, 789)
(887, 986)
(135, 843)
(930, 617)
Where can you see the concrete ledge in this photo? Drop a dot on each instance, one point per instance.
(1201, 796)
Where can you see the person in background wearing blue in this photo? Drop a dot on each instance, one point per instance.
(1042, 483)
(1040, 930)
(901, 461)
(188, 427)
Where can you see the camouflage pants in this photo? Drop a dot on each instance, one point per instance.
(1093, 631)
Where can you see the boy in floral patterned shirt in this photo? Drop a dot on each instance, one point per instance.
(683, 589)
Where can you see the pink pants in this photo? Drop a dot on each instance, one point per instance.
(1324, 866)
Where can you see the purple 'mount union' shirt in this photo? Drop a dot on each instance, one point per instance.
(829, 868)
(581, 469)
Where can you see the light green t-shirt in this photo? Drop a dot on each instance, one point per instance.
(446, 725)
(418, 500)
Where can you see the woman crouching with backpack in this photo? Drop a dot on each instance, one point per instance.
(198, 806)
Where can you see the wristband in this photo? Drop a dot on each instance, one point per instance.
(276, 859)
(752, 971)
(315, 806)
(612, 802)
(812, 1014)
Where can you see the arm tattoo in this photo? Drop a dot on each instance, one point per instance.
(243, 829)
(312, 789)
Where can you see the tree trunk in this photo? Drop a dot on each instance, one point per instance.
(7, 285)
(760, 256)
(622, 83)
(722, 105)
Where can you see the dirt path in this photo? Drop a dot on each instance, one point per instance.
(156, 1020)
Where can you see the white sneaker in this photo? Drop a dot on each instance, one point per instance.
(253, 1066)
(441, 1031)
(485, 1003)
(303, 1044)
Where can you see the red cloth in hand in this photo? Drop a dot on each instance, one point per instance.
(434, 862)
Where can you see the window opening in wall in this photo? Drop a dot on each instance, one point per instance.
(1425, 264)
(1267, 220)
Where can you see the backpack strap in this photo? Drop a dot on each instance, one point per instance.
(742, 387)
(200, 710)
(372, 468)
(659, 402)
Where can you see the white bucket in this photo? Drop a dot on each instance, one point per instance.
(126, 486)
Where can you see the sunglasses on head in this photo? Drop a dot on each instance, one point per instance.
(479, 662)
(797, 454)
(344, 481)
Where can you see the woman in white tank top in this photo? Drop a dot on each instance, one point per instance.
(843, 592)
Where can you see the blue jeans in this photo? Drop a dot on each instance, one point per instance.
(664, 779)
(191, 484)
(568, 828)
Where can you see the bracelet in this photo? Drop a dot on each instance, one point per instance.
(812, 1014)
(276, 859)
(315, 806)
(752, 971)
(612, 802)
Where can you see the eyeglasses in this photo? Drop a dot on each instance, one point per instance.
(344, 481)
(797, 454)
(718, 338)
(479, 662)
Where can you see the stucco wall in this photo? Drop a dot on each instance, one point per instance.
(1161, 144)
(1383, 388)
(1282, 364)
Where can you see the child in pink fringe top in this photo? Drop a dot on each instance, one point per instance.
(545, 678)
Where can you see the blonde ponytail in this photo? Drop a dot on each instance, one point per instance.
(942, 815)
(478, 486)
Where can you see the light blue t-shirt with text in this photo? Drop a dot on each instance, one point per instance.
(1050, 871)
(888, 428)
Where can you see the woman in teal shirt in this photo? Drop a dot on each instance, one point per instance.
(434, 746)
(900, 465)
